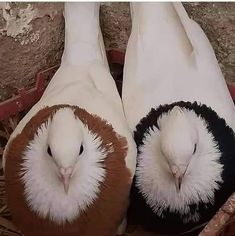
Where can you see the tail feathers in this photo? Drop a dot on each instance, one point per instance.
(83, 39)
(200, 44)
(186, 25)
(166, 29)
(102, 51)
(159, 29)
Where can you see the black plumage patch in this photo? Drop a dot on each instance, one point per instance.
(172, 222)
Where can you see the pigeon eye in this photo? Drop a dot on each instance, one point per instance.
(81, 150)
(195, 148)
(49, 151)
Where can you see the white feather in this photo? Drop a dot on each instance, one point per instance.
(168, 59)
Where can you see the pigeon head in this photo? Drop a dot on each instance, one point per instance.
(178, 142)
(60, 163)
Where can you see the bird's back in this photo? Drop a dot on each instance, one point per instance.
(83, 78)
(84, 73)
(169, 59)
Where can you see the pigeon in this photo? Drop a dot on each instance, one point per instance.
(70, 161)
(178, 106)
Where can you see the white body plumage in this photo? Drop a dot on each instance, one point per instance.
(168, 59)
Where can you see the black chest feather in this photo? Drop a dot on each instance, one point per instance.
(173, 223)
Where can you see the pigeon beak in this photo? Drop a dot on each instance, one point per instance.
(178, 174)
(65, 174)
(178, 181)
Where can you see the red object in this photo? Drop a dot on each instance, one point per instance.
(231, 88)
(26, 99)
(116, 56)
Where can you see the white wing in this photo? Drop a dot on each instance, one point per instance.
(168, 59)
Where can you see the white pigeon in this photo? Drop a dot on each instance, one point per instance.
(177, 104)
(70, 161)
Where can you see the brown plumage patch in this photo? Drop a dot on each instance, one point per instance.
(100, 219)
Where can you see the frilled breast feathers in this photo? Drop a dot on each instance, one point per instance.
(103, 214)
(158, 213)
